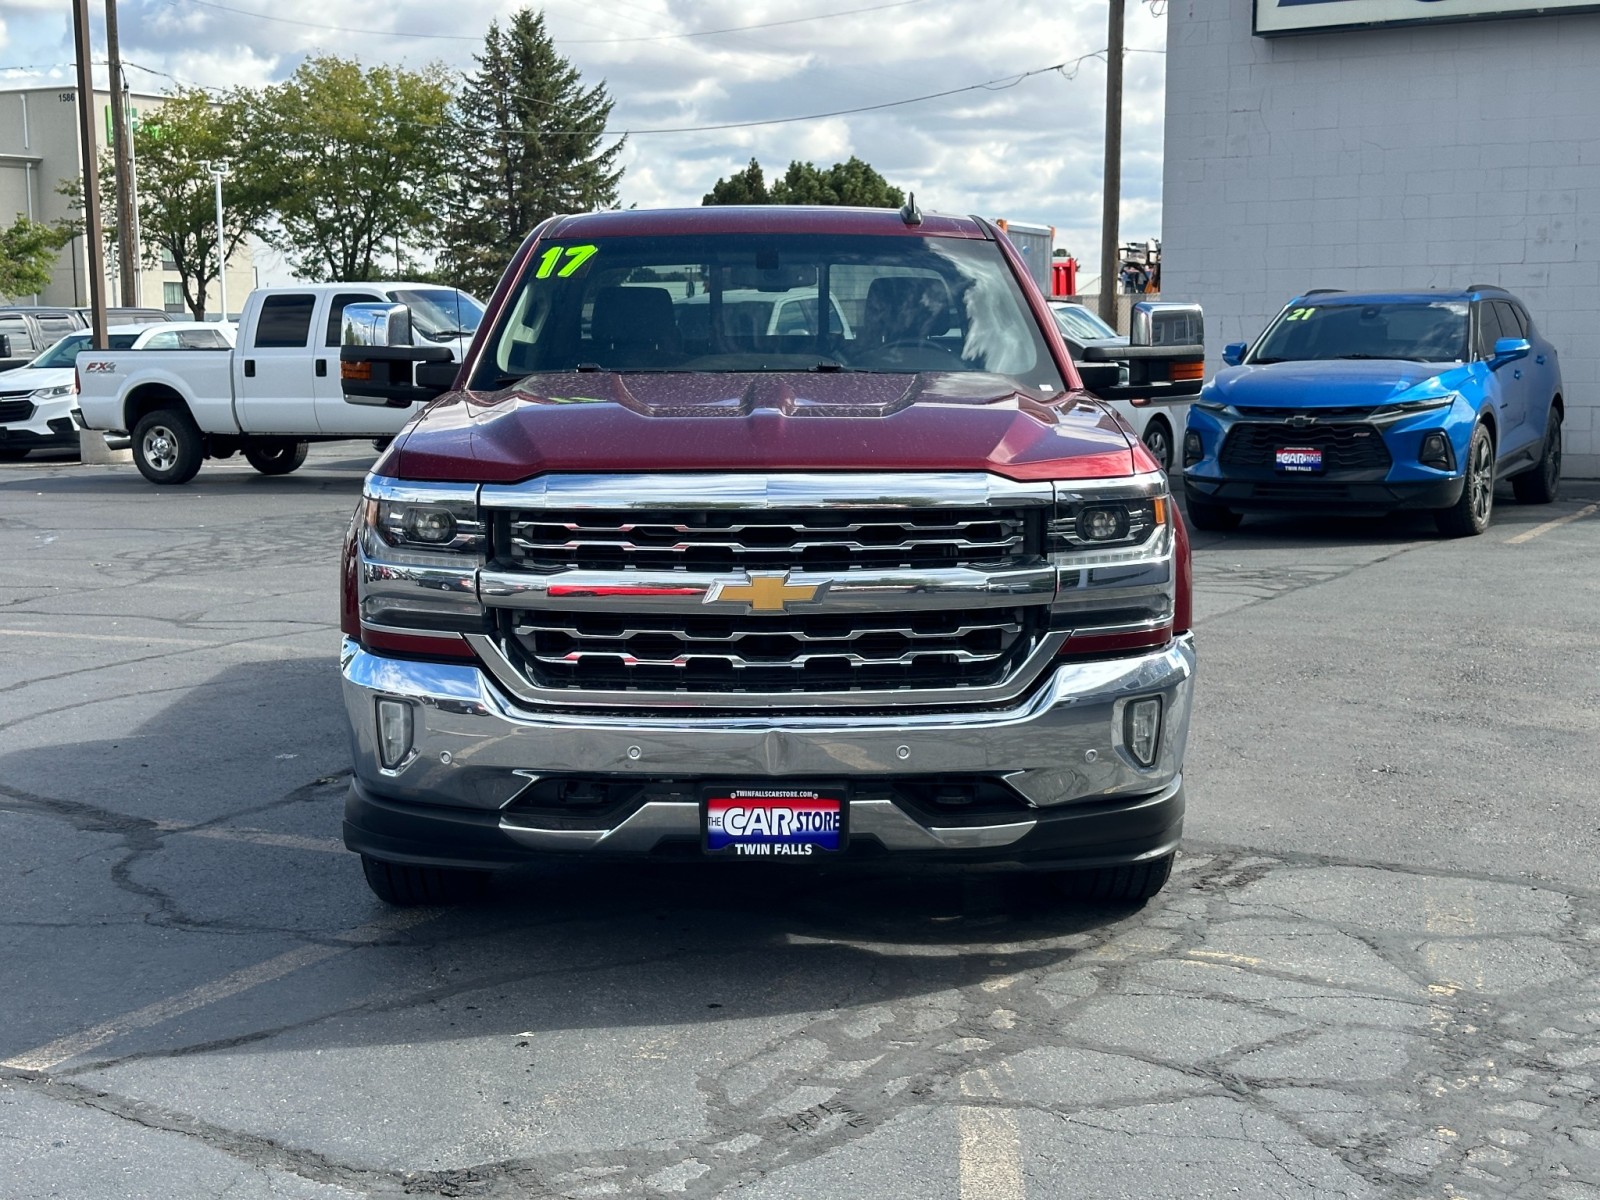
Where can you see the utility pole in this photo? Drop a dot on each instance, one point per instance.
(91, 174)
(1112, 211)
(127, 252)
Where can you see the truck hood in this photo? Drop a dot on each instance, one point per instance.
(600, 422)
(31, 379)
(1329, 383)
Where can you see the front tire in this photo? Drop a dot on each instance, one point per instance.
(1543, 484)
(12, 454)
(1158, 440)
(407, 886)
(1469, 516)
(1136, 882)
(276, 458)
(1212, 518)
(167, 446)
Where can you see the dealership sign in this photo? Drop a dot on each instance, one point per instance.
(1315, 16)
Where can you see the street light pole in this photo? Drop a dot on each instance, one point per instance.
(218, 170)
(1112, 192)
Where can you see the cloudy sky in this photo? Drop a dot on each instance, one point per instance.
(1030, 151)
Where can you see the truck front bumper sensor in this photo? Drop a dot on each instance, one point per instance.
(1083, 771)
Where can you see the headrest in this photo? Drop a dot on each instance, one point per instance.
(633, 316)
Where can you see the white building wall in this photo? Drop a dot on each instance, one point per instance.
(1425, 156)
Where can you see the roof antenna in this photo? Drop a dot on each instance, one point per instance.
(909, 212)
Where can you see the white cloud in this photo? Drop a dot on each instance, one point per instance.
(1030, 152)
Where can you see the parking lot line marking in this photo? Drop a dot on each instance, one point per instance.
(1540, 530)
(69, 636)
(990, 1162)
(256, 837)
(59, 1051)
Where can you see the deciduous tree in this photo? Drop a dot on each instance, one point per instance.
(175, 147)
(27, 253)
(348, 161)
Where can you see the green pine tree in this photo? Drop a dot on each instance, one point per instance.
(854, 184)
(529, 147)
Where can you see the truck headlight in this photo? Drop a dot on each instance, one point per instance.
(436, 517)
(1112, 545)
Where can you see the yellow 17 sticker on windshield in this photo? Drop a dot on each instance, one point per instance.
(575, 257)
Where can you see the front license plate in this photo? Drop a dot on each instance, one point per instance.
(1302, 460)
(766, 822)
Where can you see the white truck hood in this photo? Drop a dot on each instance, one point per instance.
(31, 379)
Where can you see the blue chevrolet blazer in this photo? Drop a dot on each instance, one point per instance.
(1368, 402)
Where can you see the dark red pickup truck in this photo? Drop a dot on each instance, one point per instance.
(760, 532)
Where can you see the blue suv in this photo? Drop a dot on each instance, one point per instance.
(1368, 402)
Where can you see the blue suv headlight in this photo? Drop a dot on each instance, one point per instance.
(1410, 408)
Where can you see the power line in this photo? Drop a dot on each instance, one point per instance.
(1068, 70)
(466, 37)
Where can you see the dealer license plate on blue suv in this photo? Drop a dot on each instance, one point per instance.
(764, 822)
(1302, 460)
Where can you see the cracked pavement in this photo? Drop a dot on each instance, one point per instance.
(1375, 973)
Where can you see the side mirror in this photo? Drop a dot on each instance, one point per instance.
(5, 345)
(395, 376)
(1233, 353)
(376, 325)
(1164, 360)
(1510, 349)
(1166, 323)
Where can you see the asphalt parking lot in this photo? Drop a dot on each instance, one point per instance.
(1376, 972)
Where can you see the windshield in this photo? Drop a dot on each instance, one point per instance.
(1419, 330)
(765, 302)
(65, 352)
(1080, 323)
(440, 313)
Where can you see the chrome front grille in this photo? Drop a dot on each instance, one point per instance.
(724, 540)
(696, 652)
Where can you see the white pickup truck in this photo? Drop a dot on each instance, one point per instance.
(272, 395)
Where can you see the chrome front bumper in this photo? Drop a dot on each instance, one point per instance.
(474, 750)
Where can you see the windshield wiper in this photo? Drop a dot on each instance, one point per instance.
(827, 365)
(1381, 357)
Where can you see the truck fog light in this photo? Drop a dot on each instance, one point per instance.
(1106, 523)
(1193, 452)
(1436, 451)
(434, 526)
(1141, 729)
(394, 732)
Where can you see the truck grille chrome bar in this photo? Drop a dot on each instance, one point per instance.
(716, 654)
(718, 541)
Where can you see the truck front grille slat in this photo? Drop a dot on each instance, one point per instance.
(1350, 447)
(700, 653)
(712, 540)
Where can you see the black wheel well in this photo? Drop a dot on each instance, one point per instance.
(143, 401)
(1558, 406)
(1487, 421)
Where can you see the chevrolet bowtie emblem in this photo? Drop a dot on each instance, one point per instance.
(764, 593)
